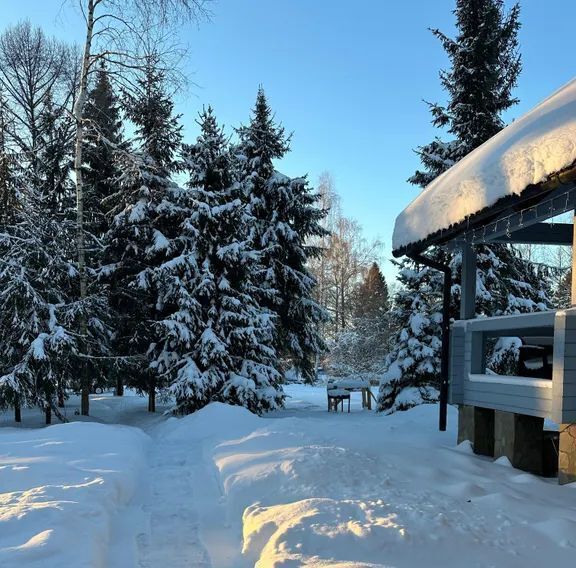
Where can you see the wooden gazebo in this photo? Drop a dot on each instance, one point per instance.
(506, 191)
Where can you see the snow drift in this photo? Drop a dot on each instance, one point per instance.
(60, 490)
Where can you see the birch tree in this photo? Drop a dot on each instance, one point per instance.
(114, 29)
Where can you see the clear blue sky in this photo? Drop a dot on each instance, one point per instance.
(348, 78)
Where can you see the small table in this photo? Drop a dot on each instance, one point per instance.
(351, 385)
(336, 397)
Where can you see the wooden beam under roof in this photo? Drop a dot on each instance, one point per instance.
(540, 234)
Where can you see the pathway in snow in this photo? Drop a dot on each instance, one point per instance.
(218, 534)
(172, 538)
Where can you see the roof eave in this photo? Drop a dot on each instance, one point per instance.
(534, 193)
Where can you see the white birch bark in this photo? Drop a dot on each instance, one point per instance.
(78, 112)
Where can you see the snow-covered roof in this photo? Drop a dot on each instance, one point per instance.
(527, 152)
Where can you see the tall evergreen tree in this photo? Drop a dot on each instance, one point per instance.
(39, 322)
(413, 364)
(144, 228)
(103, 142)
(41, 349)
(104, 138)
(485, 64)
(53, 192)
(372, 299)
(217, 339)
(285, 218)
(54, 156)
(8, 185)
(361, 349)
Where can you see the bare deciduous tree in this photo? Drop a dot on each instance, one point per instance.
(33, 70)
(346, 257)
(349, 256)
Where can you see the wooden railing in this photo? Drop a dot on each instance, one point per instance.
(471, 384)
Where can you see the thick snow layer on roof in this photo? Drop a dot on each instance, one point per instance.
(539, 144)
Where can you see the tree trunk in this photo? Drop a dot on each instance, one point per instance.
(48, 414)
(85, 400)
(60, 394)
(78, 112)
(342, 310)
(17, 412)
(119, 387)
(152, 396)
(337, 309)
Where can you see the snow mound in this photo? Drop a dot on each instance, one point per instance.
(503, 461)
(528, 151)
(321, 532)
(215, 420)
(366, 490)
(61, 488)
(271, 465)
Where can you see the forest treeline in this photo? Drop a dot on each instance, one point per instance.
(131, 256)
(195, 269)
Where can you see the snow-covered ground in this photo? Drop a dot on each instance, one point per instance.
(300, 487)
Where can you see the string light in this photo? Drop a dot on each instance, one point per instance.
(495, 225)
(534, 208)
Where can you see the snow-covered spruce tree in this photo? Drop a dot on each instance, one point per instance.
(52, 180)
(8, 183)
(40, 349)
(114, 32)
(485, 67)
(216, 339)
(103, 140)
(12, 392)
(145, 228)
(286, 217)
(413, 363)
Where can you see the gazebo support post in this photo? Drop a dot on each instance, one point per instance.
(474, 424)
(445, 355)
(567, 449)
(468, 285)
